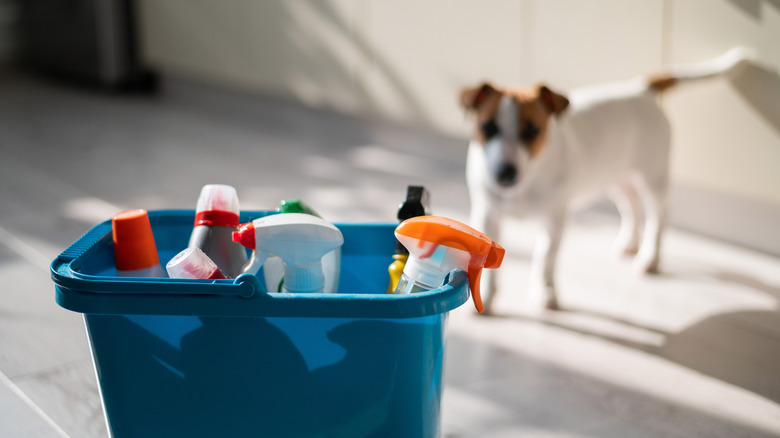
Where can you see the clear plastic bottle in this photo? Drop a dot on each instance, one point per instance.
(195, 264)
(439, 245)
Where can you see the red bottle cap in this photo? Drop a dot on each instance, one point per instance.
(245, 235)
(217, 206)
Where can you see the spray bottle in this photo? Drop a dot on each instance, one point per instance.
(416, 204)
(300, 240)
(193, 263)
(215, 221)
(273, 268)
(135, 252)
(437, 246)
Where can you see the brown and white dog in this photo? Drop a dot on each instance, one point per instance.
(534, 151)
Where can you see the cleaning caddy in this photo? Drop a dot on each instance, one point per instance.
(208, 358)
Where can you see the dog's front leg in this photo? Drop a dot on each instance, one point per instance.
(488, 221)
(542, 292)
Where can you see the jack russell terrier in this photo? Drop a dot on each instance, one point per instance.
(534, 151)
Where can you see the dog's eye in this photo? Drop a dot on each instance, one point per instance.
(489, 129)
(529, 132)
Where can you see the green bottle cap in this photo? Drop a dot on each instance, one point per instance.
(295, 205)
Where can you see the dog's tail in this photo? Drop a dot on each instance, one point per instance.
(728, 64)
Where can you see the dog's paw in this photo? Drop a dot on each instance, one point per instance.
(623, 250)
(543, 298)
(645, 265)
(552, 304)
(625, 247)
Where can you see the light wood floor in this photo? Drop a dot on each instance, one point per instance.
(694, 351)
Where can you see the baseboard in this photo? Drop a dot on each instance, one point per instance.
(742, 221)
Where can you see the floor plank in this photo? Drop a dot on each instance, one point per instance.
(69, 395)
(18, 419)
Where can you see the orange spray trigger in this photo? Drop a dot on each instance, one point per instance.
(437, 245)
(495, 256)
(492, 261)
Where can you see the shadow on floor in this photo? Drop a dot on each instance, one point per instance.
(741, 348)
(509, 389)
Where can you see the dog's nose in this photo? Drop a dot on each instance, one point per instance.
(507, 174)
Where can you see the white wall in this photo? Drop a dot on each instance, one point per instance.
(726, 156)
(727, 140)
(406, 59)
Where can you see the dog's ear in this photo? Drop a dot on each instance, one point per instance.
(472, 98)
(554, 102)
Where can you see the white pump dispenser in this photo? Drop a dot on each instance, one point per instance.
(299, 239)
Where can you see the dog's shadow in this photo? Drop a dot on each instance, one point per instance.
(739, 347)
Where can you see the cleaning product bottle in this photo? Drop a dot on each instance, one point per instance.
(193, 263)
(273, 268)
(300, 240)
(416, 204)
(437, 246)
(135, 252)
(215, 220)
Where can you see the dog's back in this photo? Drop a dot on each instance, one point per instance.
(612, 131)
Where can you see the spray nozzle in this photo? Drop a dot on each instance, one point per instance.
(416, 203)
(245, 235)
(217, 206)
(437, 245)
(299, 239)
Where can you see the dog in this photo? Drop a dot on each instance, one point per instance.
(535, 151)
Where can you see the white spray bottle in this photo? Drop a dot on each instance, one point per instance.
(273, 268)
(299, 239)
(437, 246)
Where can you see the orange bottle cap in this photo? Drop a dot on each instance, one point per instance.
(485, 253)
(134, 246)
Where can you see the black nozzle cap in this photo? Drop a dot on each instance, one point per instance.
(416, 203)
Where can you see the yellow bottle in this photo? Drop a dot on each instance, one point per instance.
(396, 269)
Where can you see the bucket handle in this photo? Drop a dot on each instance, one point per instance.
(84, 243)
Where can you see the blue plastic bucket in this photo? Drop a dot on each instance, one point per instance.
(179, 358)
